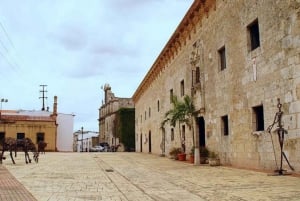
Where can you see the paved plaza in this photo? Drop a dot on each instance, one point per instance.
(141, 177)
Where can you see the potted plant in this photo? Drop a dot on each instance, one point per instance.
(213, 159)
(182, 112)
(203, 155)
(181, 155)
(174, 152)
(192, 157)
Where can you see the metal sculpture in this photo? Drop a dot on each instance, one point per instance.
(13, 145)
(280, 132)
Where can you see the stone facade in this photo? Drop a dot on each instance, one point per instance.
(107, 115)
(235, 59)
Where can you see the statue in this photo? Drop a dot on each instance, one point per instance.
(280, 132)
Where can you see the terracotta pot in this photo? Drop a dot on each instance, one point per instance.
(192, 158)
(181, 157)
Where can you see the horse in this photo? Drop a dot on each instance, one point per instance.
(41, 146)
(26, 145)
(9, 144)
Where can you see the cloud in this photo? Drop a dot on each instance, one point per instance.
(76, 46)
(71, 37)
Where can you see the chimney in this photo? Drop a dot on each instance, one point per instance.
(55, 106)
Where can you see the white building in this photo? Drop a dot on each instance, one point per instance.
(64, 141)
(83, 141)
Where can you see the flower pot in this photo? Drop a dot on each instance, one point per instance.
(214, 161)
(181, 157)
(192, 158)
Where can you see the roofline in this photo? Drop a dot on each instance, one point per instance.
(178, 39)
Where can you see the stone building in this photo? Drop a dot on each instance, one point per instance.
(235, 59)
(107, 116)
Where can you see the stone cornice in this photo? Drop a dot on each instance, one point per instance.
(194, 16)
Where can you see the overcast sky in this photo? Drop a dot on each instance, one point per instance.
(76, 46)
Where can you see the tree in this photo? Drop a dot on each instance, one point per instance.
(182, 112)
(189, 110)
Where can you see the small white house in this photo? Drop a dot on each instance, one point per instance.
(83, 140)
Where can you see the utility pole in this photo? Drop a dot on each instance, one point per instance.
(43, 91)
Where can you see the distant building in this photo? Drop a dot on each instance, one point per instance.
(83, 141)
(54, 128)
(108, 129)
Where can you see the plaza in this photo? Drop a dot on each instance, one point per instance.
(140, 177)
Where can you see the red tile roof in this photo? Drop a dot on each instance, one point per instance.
(26, 118)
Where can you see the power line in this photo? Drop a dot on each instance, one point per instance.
(12, 61)
(7, 60)
(7, 36)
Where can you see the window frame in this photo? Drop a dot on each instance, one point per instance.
(40, 136)
(225, 125)
(172, 134)
(253, 35)
(171, 95)
(20, 136)
(222, 58)
(258, 121)
(182, 87)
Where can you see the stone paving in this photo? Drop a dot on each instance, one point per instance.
(11, 189)
(142, 177)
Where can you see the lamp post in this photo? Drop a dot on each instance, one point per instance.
(82, 139)
(3, 100)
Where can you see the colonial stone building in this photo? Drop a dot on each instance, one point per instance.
(235, 59)
(108, 116)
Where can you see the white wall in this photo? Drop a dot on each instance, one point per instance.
(65, 132)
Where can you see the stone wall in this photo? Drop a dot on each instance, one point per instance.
(251, 78)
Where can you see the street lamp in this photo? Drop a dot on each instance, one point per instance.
(82, 139)
(3, 100)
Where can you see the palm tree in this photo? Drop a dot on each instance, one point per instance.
(189, 110)
(175, 114)
(182, 112)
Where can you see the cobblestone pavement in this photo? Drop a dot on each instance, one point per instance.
(142, 177)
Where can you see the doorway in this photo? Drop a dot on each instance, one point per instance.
(141, 142)
(149, 137)
(201, 125)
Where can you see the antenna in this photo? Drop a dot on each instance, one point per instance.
(43, 91)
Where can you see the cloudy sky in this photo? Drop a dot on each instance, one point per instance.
(76, 46)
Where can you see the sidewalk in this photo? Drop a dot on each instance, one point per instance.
(143, 177)
(11, 189)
